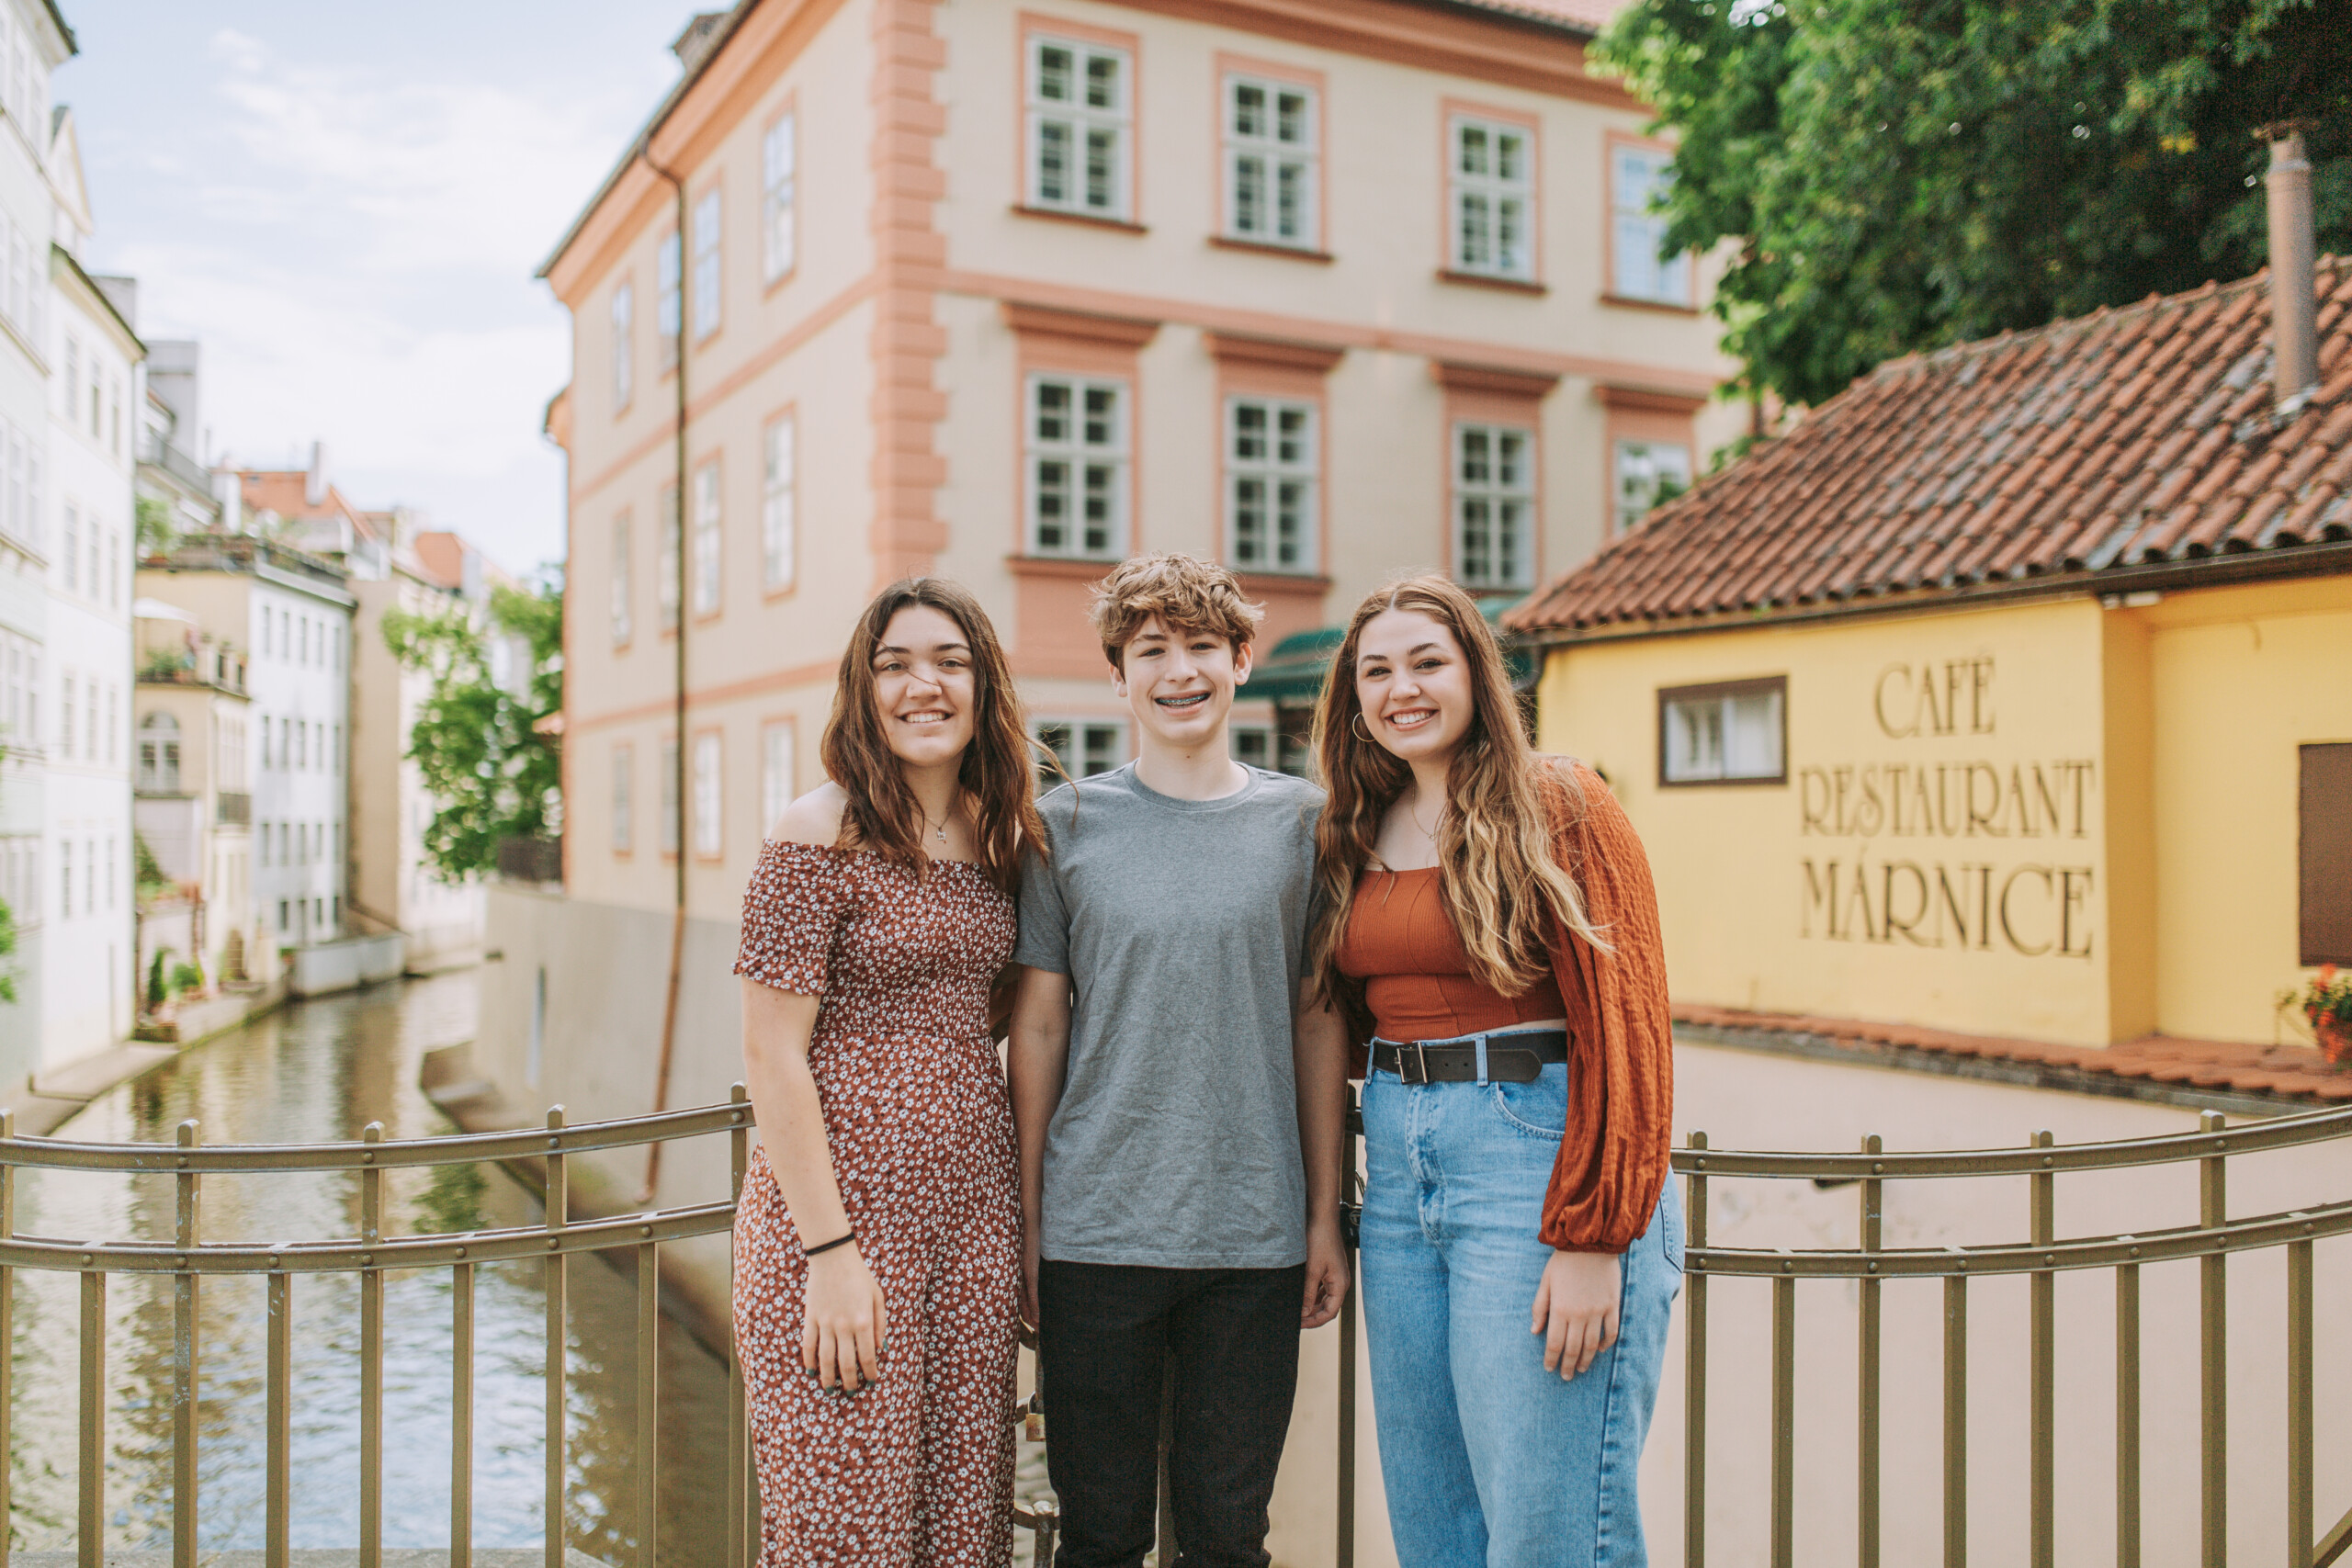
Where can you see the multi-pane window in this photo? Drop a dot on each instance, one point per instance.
(624, 815)
(1083, 748)
(1648, 472)
(777, 517)
(72, 551)
(1270, 161)
(669, 797)
(706, 264)
(1078, 466)
(668, 278)
(775, 770)
(2323, 853)
(1735, 731)
(159, 755)
(1078, 112)
(1636, 175)
(706, 538)
(666, 569)
(1493, 197)
(1494, 506)
(620, 581)
(778, 165)
(708, 794)
(624, 345)
(1269, 484)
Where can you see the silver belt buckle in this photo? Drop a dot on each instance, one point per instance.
(1420, 1060)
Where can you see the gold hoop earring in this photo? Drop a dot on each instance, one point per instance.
(1356, 724)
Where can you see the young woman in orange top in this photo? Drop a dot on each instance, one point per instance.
(1487, 923)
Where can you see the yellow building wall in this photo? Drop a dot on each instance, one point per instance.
(2241, 678)
(1939, 853)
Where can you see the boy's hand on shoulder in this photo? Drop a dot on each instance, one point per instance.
(1326, 1273)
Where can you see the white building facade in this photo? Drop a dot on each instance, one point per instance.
(89, 951)
(300, 632)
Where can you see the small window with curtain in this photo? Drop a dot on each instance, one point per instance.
(1723, 733)
(709, 788)
(621, 626)
(778, 517)
(1494, 506)
(1492, 188)
(775, 770)
(666, 582)
(1269, 158)
(708, 536)
(1083, 746)
(1270, 468)
(1077, 466)
(2325, 854)
(669, 282)
(1078, 127)
(1647, 474)
(624, 345)
(707, 264)
(778, 170)
(1637, 176)
(669, 827)
(624, 817)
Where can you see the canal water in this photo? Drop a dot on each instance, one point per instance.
(313, 1071)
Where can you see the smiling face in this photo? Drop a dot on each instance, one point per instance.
(1413, 683)
(925, 692)
(1179, 683)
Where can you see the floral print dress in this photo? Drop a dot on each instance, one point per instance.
(915, 1469)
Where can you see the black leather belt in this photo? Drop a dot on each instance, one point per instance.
(1503, 1056)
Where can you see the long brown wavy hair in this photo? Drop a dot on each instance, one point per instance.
(1500, 885)
(882, 814)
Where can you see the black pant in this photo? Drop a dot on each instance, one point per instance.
(1106, 1334)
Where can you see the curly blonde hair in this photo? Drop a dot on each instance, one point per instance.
(1186, 593)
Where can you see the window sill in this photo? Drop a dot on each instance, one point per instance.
(1488, 280)
(781, 591)
(1084, 219)
(1628, 303)
(779, 281)
(1270, 248)
(1767, 779)
(1084, 568)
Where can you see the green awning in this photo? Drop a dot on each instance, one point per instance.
(1291, 674)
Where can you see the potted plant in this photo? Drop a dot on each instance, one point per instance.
(2326, 1001)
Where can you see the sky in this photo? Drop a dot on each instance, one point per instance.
(347, 204)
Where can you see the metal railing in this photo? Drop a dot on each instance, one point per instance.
(2040, 1256)
(188, 1258)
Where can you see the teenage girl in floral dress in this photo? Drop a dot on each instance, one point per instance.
(877, 1245)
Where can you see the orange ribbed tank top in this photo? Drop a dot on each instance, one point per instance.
(1417, 974)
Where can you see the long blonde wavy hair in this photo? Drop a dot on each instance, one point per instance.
(1501, 884)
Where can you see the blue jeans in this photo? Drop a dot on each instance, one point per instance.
(1489, 1460)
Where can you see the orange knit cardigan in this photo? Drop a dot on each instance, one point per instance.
(1612, 1162)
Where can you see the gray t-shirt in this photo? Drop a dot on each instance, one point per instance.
(1182, 926)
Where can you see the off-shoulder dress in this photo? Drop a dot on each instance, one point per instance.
(918, 1468)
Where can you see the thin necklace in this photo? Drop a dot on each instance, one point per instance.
(941, 826)
(1430, 832)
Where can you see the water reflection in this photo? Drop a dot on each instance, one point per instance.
(323, 1070)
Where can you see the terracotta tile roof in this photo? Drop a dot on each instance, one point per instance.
(284, 491)
(2077, 454)
(443, 556)
(1585, 15)
(2296, 1072)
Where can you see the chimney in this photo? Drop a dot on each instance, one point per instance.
(692, 44)
(2292, 282)
(228, 489)
(314, 483)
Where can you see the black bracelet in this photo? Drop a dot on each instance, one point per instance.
(838, 1241)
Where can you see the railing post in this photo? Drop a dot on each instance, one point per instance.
(2214, 1347)
(649, 1393)
(1343, 1548)
(7, 1331)
(462, 1415)
(2127, 1416)
(278, 1465)
(2301, 1519)
(1956, 1417)
(91, 1537)
(371, 1353)
(1867, 1448)
(743, 1484)
(558, 1211)
(185, 1231)
(1784, 1419)
(1694, 1363)
(2043, 1371)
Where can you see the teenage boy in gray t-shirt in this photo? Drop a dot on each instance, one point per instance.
(1180, 1095)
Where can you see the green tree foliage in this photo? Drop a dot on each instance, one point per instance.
(1906, 174)
(492, 774)
(156, 535)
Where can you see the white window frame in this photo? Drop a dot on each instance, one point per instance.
(1633, 478)
(1730, 732)
(779, 502)
(779, 216)
(709, 520)
(1482, 250)
(1285, 468)
(779, 743)
(1636, 231)
(669, 294)
(624, 320)
(1275, 166)
(1077, 748)
(710, 794)
(1489, 488)
(623, 629)
(623, 799)
(1080, 460)
(710, 250)
(1078, 126)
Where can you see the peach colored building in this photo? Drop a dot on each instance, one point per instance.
(1325, 290)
